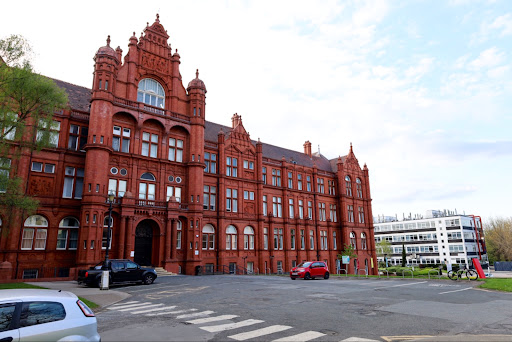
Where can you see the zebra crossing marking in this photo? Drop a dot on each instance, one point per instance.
(154, 309)
(128, 306)
(259, 332)
(211, 319)
(305, 336)
(150, 309)
(229, 326)
(121, 304)
(140, 307)
(170, 312)
(197, 314)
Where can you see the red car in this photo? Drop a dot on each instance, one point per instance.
(310, 270)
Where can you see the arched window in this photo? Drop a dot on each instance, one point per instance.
(151, 92)
(67, 236)
(359, 187)
(105, 232)
(348, 186)
(363, 241)
(248, 238)
(353, 240)
(208, 237)
(35, 225)
(231, 237)
(178, 235)
(146, 189)
(148, 176)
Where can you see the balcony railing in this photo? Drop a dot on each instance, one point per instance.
(150, 109)
(154, 204)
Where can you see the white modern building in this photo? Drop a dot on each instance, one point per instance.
(441, 237)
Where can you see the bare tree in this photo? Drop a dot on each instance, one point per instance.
(498, 238)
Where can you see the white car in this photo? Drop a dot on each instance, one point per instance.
(45, 315)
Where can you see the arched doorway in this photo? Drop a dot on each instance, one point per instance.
(144, 243)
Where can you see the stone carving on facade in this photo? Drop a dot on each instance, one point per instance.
(154, 63)
(41, 186)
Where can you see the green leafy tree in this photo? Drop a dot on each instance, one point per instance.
(404, 255)
(383, 249)
(498, 239)
(27, 103)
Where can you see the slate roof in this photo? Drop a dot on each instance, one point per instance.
(79, 98)
(275, 152)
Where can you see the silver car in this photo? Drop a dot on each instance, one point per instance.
(45, 315)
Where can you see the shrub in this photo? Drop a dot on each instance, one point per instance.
(392, 269)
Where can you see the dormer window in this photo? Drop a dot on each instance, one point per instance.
(151, 92)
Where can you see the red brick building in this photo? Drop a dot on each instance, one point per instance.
(188, 192)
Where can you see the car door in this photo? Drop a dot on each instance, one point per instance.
(9, 318)
(316, 269)
(42, 321)
(118, 271)
(133, 271)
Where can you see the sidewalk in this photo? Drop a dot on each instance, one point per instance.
(501, 274)
(101, 297)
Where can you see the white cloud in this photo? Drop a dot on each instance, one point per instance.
(503, 23)
(329, 72)
(487, 58)
(423, 67)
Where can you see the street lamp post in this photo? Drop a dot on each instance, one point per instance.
(245, 270)
(105, 273)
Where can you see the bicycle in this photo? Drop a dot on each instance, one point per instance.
(464, 274)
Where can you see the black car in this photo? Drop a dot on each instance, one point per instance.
(121, 271)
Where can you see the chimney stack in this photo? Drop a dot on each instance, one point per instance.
(307, 148)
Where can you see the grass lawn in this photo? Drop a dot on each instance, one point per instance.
(500, 284)
(8, 286)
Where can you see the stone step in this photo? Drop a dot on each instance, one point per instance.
(160, 271)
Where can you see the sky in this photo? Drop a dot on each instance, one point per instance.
(421, 88)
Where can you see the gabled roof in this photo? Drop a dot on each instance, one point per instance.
(274, 152)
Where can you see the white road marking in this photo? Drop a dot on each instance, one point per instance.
(170, 312)
(306, 336)
(153, 309)
(141, 307)
(129, 306)
(408, 284)
(197, 314)
(223, 327)
(212, 319)
(125, 303)
(156, 287)
(467, 288)
(259, 332)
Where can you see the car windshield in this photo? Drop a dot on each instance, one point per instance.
(304, 264)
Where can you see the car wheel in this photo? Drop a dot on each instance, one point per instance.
(326, 275)
(98, 282)
(148, 279)
(307, 276)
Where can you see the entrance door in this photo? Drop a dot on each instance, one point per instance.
(143, 243)
(232, 267)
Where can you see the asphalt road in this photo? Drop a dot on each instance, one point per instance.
(266, 308)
